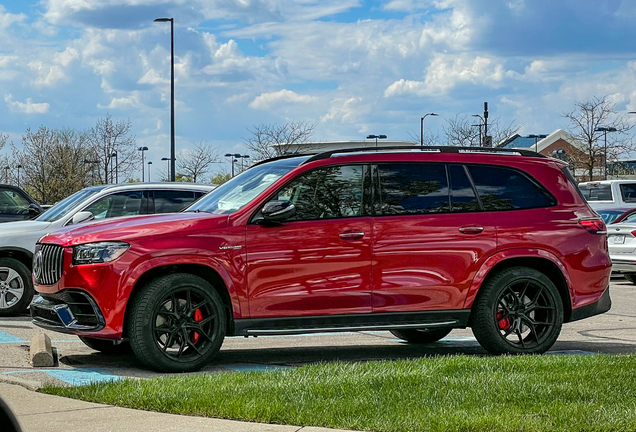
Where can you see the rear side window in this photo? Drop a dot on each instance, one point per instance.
(463, 198)
(597, 191)
(413, 188)
(628, 192)
(172, 201)
(507, 189)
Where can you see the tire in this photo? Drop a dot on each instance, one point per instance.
(106, 346)
(631, 277)
(518, 311)
(177, 323)
(422, 336)
(16, 287)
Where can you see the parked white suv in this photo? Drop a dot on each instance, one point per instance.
(609, 193)
(17, 239)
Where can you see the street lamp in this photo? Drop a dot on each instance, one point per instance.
(142, 150)
(376, 138)
(149, 166)
(18, 167)
(536, 140)
(114, 154)
(605, 130)
(480, 126)
(172, 151)
(422, 127)
(167, 159)
(231, 155)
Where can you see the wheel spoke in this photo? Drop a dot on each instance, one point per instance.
(13, 275)
(3, 301)
(195, 348)
(169, 342)
(205, 321)
(518, 331)
(533, 329)
(17, 293)
(183, 344)
(523, 292)
(175, 305)
(188, 302)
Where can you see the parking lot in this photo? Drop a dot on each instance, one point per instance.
(610, 333)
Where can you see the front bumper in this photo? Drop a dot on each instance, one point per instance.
(67, 311)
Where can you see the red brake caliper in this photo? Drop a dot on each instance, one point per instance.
(198, 316)
(504, 324)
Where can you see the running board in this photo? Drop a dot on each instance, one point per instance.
(351, 322)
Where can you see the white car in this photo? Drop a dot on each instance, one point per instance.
(609, 193)
(17, 239)
(621, 239)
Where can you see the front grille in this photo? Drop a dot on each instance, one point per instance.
(48, 262)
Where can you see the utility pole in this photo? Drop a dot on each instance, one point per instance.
(486, 138)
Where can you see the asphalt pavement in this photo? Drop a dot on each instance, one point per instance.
(610, 333)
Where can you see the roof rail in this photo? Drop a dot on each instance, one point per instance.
(439, 149)
(285, 156)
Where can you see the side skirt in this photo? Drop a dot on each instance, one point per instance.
(352, 322)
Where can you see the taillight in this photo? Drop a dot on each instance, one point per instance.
(634, 233)
(594, 225)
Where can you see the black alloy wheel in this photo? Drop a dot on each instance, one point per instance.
(177, 323)
(518, 312)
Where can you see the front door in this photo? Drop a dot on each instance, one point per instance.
(430, 237)
(319, 261)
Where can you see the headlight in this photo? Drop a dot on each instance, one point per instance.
(93, 253)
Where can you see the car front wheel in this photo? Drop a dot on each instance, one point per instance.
(517, 311)
(177, 323)
(16, 289)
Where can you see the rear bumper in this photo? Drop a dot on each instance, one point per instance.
(623, 266)
(602, 305)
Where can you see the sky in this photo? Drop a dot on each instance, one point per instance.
(352, 67)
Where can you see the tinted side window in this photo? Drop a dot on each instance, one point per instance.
(463, 198)
(597, 192)
(13, 203)
(628, 191)
(413, 188)
(326, 193)
(172, 201)
(507, 189)
(118, 204)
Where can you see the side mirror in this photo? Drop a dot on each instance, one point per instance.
(82, 216)
(34, 209)
(278, 211)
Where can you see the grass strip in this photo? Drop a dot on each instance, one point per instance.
(456, 393)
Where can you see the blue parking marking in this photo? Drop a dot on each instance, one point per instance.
(6, 338)
(247, 367)
(74, 376)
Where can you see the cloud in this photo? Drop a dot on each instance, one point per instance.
(27, 107)
(267, 100)
(7, 19)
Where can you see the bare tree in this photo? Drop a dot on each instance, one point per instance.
(196, 162)
(108, 138)
(464, 132)
(271, 140)
(53, 163)
(429, 138)
(586, 119)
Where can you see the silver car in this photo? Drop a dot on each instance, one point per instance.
(621, 239)
(17, 239)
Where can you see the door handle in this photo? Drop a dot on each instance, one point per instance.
(351, 235)
(471, 230)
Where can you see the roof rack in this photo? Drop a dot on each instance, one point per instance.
(439, 149)
(285, 156)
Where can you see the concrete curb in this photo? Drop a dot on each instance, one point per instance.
(41, 351)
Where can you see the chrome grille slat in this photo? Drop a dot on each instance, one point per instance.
(51, 264)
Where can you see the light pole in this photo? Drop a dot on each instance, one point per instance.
(242, 157)
(536, 140)
(172, 151)
(114, 154)
(18, 167)
(480, 126)
(142, 150)
(167, 159)
(605, 130)
(231, 156)
(376, 138)
(149, 166)
(422, 127)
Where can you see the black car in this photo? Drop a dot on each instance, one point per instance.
(16, 204)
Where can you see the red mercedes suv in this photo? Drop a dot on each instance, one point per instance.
(415, 241)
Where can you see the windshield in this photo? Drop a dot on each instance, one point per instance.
(65, 206)
(239, 191)
(610, 216)
(596, 191)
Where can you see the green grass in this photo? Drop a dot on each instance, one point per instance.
(459, 393)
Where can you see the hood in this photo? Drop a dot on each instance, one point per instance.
(11, 229)
(136, 227)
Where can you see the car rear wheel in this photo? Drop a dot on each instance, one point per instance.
(517, 311)
(16, 288)
(421, 336)
(106, 346)
(631, 277)
(177, 323)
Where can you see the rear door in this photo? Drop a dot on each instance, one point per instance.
(430, 237)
